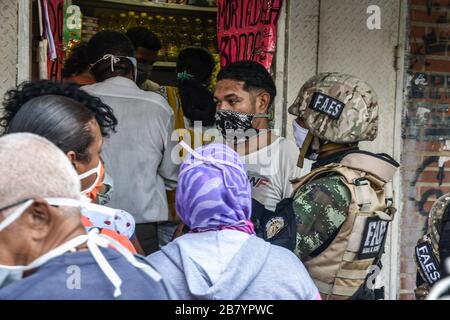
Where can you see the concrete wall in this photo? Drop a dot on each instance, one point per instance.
(8, 44)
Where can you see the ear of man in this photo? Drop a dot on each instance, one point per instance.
(262, 102)
(39, 218)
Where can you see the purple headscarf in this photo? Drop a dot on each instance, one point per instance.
(213, 192)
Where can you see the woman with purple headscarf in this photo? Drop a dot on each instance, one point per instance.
(221, 258)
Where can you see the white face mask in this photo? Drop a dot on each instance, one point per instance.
(93, 240)
(86, 174)
(305, 142)
(300, 134)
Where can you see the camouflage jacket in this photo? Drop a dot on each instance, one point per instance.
(427, 248)
(320, 208)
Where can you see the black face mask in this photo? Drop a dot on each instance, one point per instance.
(236, 125)
(144, 70)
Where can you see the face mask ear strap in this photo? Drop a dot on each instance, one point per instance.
(209, 160)
(114, 59)
(66, 202)
(90, 172)
(129, 256)
(93, 242)
(96, 170)
(191, 151)
(15, 215)
(214, 162)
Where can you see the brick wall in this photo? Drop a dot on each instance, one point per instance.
(426, 127)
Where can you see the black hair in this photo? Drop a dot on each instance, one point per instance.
(196, 99)
(77, 62)
(144, 38)
(58, 112)
(110, 42)
(253, 74)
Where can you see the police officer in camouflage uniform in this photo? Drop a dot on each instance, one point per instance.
(433, 248)
(344, 194)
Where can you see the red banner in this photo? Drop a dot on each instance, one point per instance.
(54, 29)
(247, 30)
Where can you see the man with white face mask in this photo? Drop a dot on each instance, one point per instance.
(45, 252)
(138, 156)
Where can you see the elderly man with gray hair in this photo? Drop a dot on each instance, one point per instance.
(45, 252)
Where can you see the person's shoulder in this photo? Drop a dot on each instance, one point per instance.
(123, 88)
(284, 260)
(287, 148)
(158, 255)
(17, 290)
(286, 143)
(91, 88)
(324, 189)
(326, 198)
(136, 276)
(276, 253)
(285, 255)
(153, 98)
(171, 249)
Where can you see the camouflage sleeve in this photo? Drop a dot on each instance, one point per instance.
(320, 208)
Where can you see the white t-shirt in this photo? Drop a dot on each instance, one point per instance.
(270, 170)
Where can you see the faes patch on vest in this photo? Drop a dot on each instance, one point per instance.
(427, 263)
(327, 105)
(374, 234)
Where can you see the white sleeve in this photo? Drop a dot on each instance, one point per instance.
(291, 170)
(168, 169)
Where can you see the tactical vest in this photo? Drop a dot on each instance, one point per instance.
(343, 267)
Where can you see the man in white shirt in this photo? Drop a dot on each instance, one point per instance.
(244, 93)
(138, 156)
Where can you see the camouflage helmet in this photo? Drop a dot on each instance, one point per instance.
(338, 108)
(435, 220)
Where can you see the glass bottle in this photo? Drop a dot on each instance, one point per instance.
(132, 21)
(122, 22)
(185, 31)
(197, 33)
(143, 20)
(211, 35)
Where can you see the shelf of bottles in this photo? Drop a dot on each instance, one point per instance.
(176, 25)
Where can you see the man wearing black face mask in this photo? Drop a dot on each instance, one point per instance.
(244, 93)
(147, 45)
